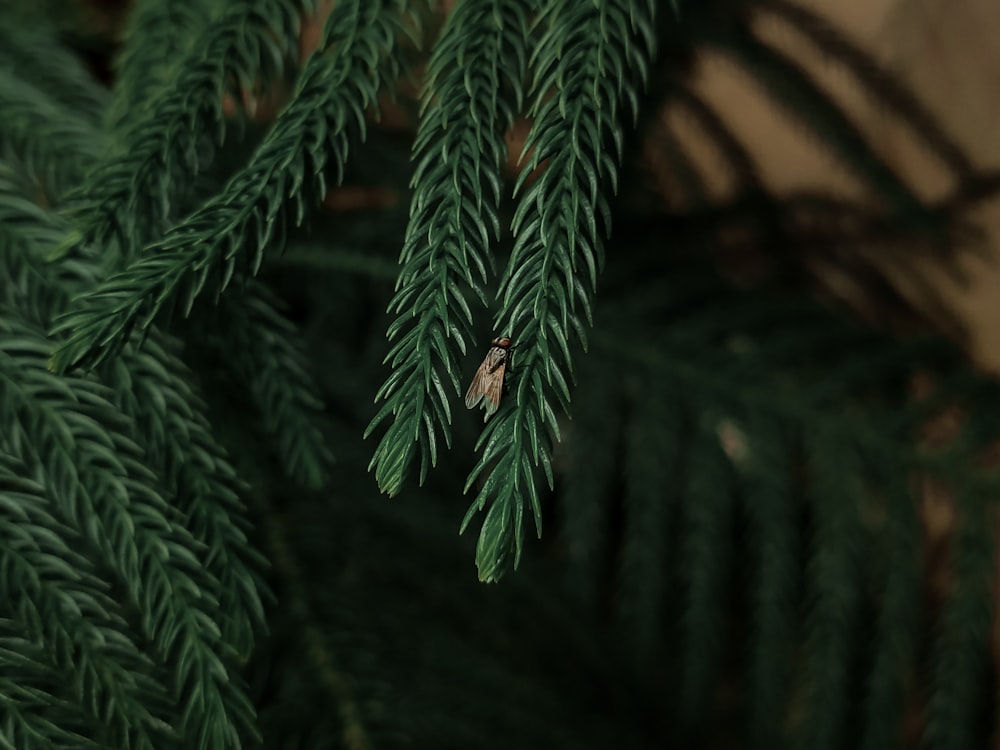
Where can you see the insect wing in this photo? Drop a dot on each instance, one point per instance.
(488, 380)
(494, 388)
(478, 388)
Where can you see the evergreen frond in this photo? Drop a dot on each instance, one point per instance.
(232, 42)
(591, 455)
(652, 464)
(131, 195)
(178, 443)
(897, 631)
(33, 716)
(774, 525)
(706, 556)
(157, 36)
(472, 92)
(68, 431)
(483, 671)
(861, 459)
(54, 144)
(772, 512)
(961, 700)
(231, 232)
(37, 289)
(260, 348)
(834, 572)
(287, 412)
(152, 388)
(40, 60)
(58, 599)
(582, 98)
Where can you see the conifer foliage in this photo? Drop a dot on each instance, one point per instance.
(735, 479)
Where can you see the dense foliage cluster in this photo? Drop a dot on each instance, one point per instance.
(195, 266)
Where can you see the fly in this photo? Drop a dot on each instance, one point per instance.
(487, 383)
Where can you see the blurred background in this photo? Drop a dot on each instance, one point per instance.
(773, 521)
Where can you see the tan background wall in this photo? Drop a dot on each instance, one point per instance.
(949, 53)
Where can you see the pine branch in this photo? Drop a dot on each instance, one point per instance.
(158, 36)
(169, 128)
(261, 348)
(61, 18)
(179, 445)
(591, 452)
(472, 92)
(707, 554)
(151, 386)
(131, 195)
(652, 461)
(27, 232)
(116, 476)
(487, 679)
(834, 578)
(290, 410)
(37, 58)
(771, 506)
(67, 429)
(895, 648)
(59, 600)
(959, 702)
(32, 716)
(54, 144)
(230, 232)
(842, 392)
(589, 65)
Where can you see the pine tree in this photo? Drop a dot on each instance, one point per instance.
(210, 265)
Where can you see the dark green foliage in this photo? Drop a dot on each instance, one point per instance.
(960, 700)
(169, 415)
(35, 57)
(458, 155)
(33, 715)
(67, 431)
(772, 528)
(834, 579)
(150, 387)
(262, 353)
(652, 439)
(162, 144)
(761, 438)
(158, 34)
(737, 549)
(592, 477)
(54, 595)
(892, 669)
(338, 82)
(54, 145)
(582, 101)
(706, 561)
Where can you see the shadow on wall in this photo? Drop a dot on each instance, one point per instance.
(946, 53)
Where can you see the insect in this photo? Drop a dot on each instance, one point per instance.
(487, 383)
